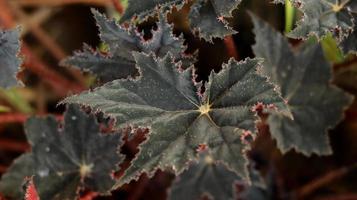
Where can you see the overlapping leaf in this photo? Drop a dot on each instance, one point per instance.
(216, 181)
(142, 9)
(9, 62)
(259, 189)
(180, 120)
(207, 16)
(205, 178)
(322, 16)
(122, 42)
(304, 81)
(349, 44)
(11, 182)
(63, 160)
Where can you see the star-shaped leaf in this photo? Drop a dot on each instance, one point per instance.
(64, 160)
(206, 16)
(205, 178)
(180, 120)
(119, 62)
(304, 81)
(9, 62)
(323, 16)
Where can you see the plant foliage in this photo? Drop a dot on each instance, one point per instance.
(323, 16)
(206, 16)
(205, 178)
(119, 61)
(9, 62)
(64, 160)
(304, 81)
(167, 100)
(349, 44)
(200, 131)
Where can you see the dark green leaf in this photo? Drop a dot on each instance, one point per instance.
(349, 44)
(122, 42)
(11, 182)
(205, 178)
(64, 160)
(204, 19)
(180, 120)
(259, 189)
(216, 181)
(143, 8)
(304, 80)
(206, 16)
(9, 62)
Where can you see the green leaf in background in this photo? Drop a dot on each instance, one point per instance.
(4, 109)
(14, 97)
(304, 80)
(323, 16)
(331, 49)
(289, 16)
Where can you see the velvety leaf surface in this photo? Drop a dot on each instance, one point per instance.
(9, 62)
(349, 44)
(63, 160)
(11, 182)
(119, 62)
(143, 8)
(206, 16)
(205, 19)
(321, 16)
(304, 81)
(166, 100)
(216, 181)
(205, 178)
(258, 189)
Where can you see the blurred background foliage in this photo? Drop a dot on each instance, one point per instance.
(53, 29)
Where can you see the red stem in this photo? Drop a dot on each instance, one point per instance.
(13, 118)
(13, 145)
(3, 169)
(118, 6)
(323, 180)
(60, 84)
(231, 47)
(19, 118)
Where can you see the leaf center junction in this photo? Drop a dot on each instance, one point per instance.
(204, 109)
(85, 169)
(337, 7)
